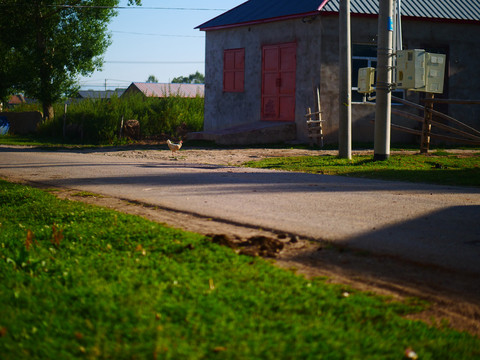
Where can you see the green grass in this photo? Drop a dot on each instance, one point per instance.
(53, 142)
(78, 281)
(440, 167)
(28, 140)
(58, 143)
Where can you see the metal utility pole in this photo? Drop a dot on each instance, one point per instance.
(398, 26)
(384, 81)
(345, 98)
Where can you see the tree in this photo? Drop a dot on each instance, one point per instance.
(6, 72)
(152, 79)
(49, 43)
(196, 78)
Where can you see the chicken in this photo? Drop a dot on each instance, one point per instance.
(174, 147)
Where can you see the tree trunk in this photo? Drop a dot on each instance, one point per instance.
(45, 68)
(48, 112)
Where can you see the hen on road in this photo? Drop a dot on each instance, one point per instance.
(174, 147)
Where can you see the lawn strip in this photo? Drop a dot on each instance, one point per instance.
(441, 168)
(81, 281)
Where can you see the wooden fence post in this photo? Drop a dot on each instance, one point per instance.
(427, 124)
(65, 120)
(319, 110)
(309, 118)
(120, 131)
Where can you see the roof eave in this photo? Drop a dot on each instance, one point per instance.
(313, 13)
(255, 22)
(451, 21)
(201, 25)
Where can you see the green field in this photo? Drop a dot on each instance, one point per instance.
(83, 282)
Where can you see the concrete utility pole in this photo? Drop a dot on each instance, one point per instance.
(384, 81)
(345, 98)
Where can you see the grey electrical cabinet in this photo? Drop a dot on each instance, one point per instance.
(434, 73)
(419, 70)
(366, 78)
(410, 69)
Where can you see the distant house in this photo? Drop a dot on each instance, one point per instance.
(16, 100)
(99, 94)
(164, 90)
(264, 58)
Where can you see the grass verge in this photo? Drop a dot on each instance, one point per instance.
(78, 281)
(438, 168)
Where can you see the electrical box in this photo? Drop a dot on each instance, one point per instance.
(366, 78)
(419, 70)
(410, 69)
(434, 73)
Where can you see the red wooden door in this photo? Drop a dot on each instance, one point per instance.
(279, 66)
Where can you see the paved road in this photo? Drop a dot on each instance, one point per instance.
(425, 223)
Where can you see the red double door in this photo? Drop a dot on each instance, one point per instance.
(279, 65)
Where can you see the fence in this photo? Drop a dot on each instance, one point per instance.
(464, 133)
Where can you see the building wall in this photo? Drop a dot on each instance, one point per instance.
(463, 43)
(463, 60)
(223, 110)
(317, 64)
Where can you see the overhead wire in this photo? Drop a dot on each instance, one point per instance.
(163, 35)
(151, 62)
(133, 33)
(114, 7)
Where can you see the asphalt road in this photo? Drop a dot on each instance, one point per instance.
(430, 224)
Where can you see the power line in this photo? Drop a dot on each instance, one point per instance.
(118, 80)
(165, 35)
(116, 7)
(152, 62)
(103, 86)
(97, 81)
(132, 8)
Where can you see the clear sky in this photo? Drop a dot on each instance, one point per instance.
(157, 39)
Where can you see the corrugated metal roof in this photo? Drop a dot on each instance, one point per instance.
(267, 10)
(432, 9)
(163, 90)
(99, 94)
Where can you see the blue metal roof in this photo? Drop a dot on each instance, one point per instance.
(257, 10)
(266, 10)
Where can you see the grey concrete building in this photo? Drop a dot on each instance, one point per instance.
(265, 58)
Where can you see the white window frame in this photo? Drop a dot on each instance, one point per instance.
(370, 60)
